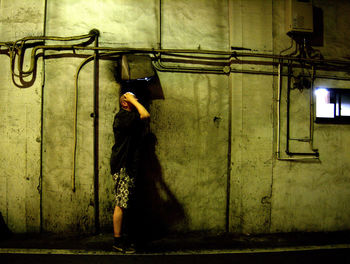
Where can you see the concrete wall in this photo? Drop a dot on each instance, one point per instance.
(203, 120)
(20, 124)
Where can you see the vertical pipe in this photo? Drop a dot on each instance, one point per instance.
(229, 157)
(288, 107)
(40, 185)
(279, 107)
(229, 147)
(96, 139)
(312, 110)
(160, 25)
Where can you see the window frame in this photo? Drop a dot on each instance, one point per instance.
(337, 119)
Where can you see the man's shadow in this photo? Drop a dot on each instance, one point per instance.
(155, 211)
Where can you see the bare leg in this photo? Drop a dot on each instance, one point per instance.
(117, 221)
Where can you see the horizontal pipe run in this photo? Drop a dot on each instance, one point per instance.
(110, 56)
(221, 71)
(301, 159)
(179, 51)
(192, 69)
(204, 57)
(169, 52)
(301, 139)
(220, 61)
(316, 154)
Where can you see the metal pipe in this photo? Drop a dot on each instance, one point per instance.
(161, 67)
(53, 47)
(288, 106)
(229, 146)
(279, 89)
(302, 154)
(309, 159)
(96, 139)
(40, 184)
(213, 52)
(221, 57)
(279, 107)
(164, 51)
(227, 60)
(312, 110)
(169, 51)
(160, 25)
(84, 62)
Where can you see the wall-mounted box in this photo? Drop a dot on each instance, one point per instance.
(299, 16)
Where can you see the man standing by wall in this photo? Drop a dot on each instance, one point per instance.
(129, 131)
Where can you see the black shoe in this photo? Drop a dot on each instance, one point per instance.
(122, 246)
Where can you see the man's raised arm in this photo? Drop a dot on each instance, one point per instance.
(131, 98)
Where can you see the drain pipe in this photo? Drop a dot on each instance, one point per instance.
(312, 110)
(279, 106)
(96, 136)
(160, 25)
(229, 127)
(288, 106)
(40, 184)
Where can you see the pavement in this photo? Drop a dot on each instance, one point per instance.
(332, 247)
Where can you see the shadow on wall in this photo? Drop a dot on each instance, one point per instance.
(4, 230)
(156, 211)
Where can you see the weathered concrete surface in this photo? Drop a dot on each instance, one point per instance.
(313, 196)
(63, 209)
(251, 124)
(20, 19)
(191, 143)
(186, 184)
(200, 33)
(121, 23)
(20, 124)
(109, 92)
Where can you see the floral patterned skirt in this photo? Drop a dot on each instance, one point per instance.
(124, 187)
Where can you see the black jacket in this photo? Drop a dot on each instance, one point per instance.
(129, 131)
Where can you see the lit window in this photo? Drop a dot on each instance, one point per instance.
(332, 105)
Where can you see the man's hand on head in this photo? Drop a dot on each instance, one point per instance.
(129, 97)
